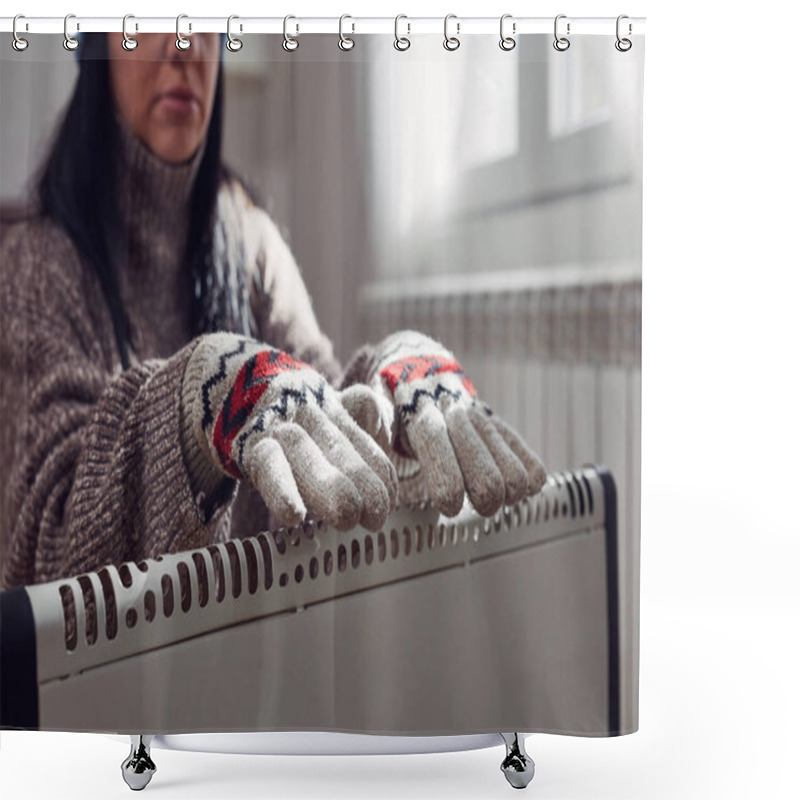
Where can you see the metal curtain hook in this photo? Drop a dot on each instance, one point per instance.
(561, 43)
(18, 43)
(233, 44)
(451, 42)
(401, 43)
(70, 42)
(345, 43)
(182, 43)
(290, 43)
(506, 42)
(128, 42)
(623, 45)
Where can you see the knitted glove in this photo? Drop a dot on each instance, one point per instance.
(257, 413)
(442, 439)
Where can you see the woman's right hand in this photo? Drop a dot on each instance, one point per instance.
(257, 413)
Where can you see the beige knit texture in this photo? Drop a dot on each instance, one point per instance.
(95, 469)
(458, 447)
(94, 472)
(297, 445)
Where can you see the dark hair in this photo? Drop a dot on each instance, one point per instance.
(76, 188)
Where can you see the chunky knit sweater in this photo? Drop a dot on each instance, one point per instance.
(97, 467)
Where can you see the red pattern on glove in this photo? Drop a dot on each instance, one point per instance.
(405, 370)
(252, 380)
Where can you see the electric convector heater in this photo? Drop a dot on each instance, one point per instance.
(519, 612)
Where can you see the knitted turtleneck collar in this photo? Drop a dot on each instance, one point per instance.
(153, 194)
(154, 199)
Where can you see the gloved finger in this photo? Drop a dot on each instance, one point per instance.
(328, 493)
(371, 411)
(338, 449)
(269, 471)
(367, 448)
(537, 474)
(482, 478)
(452, 391)
(512, 469)
(427, 435)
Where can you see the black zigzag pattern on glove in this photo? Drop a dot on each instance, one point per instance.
(237, 407)
(218, 376)
(409, 409)
(281, 407)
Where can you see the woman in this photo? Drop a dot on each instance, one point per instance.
(161, 362)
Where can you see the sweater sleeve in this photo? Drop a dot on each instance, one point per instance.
(280, 307)
(281, 314)
(93, 469)
(284, 312)
(280, 303)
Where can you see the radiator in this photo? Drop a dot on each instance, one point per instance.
(315, 629)
(557, 353)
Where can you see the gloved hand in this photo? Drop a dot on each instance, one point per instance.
(442, 438)
(254, 412)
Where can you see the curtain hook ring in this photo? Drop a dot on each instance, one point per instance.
(401, 43)
(70, 42)
(290, 43)
(18, 43)
(451, 43)
(233, 44)
(507, 42)
(623, 45)
(561, 43)
(345, 42)
(128, 42)
(182, 43)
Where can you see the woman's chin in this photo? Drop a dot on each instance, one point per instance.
(177, 148)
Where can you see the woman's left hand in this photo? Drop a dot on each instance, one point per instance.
(443, 439)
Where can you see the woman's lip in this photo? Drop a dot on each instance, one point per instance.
(178, 101)
(181, 93)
